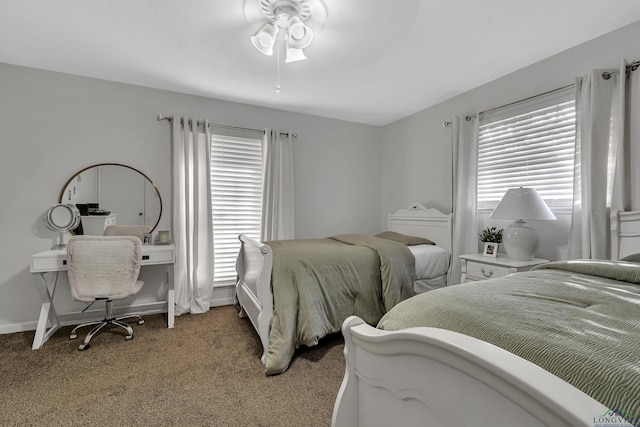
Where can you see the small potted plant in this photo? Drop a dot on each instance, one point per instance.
(492, 237)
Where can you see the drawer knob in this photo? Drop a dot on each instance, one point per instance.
(484, 273)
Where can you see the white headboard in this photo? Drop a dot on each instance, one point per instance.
(625, 234)
(420, 221)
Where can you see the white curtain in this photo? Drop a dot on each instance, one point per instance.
(192, 222)
(278, 198)
(464, 143)
(607, 158)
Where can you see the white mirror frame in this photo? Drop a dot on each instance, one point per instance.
(62, 217)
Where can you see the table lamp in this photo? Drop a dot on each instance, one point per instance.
(520, 204)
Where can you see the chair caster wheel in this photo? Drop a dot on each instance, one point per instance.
(141, 322)
(83, 347)
(128, 337)
(73, 336)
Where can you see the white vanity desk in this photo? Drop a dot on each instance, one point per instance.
(55, 261)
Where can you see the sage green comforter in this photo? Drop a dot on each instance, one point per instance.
(318, 283)
(579, 320)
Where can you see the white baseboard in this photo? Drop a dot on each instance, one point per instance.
(18, 327)
(223, 301)
(75, 318)
(222, 295)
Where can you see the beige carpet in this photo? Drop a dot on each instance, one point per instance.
(204, 372)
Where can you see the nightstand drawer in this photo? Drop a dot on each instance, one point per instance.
(478, 267)
(479, 271)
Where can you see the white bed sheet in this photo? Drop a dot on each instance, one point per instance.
(424, 285)
(431, 261)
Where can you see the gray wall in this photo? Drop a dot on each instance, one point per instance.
(349, 176)
(53, 125)
(416, 151)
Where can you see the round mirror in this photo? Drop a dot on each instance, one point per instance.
(110, 194)
(62, 218)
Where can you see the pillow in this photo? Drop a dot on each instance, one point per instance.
(404, 239)
(631, 258)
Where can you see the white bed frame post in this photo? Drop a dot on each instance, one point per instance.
(253, 288)
(625, 230)
(344, 413)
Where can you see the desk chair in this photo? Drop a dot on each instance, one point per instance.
(127, 230)
(104, 268)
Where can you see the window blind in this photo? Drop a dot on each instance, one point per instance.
(528, 144)
(236, 199)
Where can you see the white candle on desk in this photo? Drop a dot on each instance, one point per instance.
(163, 237)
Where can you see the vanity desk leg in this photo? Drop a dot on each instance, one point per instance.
(47, 310)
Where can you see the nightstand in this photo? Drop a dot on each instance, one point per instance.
(479, 267)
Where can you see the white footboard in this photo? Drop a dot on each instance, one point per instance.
(434, 377)
(253, 289)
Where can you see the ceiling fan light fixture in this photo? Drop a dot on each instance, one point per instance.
(291, 17)
(293, 55)
(300, 35)
(283, 13)
(265, 38)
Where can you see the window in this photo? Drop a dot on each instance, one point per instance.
(236, 199)
(528, 144)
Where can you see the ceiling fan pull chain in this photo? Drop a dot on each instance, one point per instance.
(278, 87)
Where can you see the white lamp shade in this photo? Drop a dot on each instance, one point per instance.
(293, 54)
(519, 240)
(300, 35)
(522, 203)
(265, 38)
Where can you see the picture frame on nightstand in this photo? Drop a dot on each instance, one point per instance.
(146, 239)
(490, 249)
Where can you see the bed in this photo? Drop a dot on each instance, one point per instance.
(554, 346)
(354, 274)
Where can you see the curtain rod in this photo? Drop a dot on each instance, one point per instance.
(631, 67)
(448, 123)
(606, 75)
(471, 117)
(170, 118)
(527, 99)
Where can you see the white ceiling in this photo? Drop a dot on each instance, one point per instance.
(372, 61)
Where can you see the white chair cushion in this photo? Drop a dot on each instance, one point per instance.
(104, 267)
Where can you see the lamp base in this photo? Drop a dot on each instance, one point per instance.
(520, 241)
